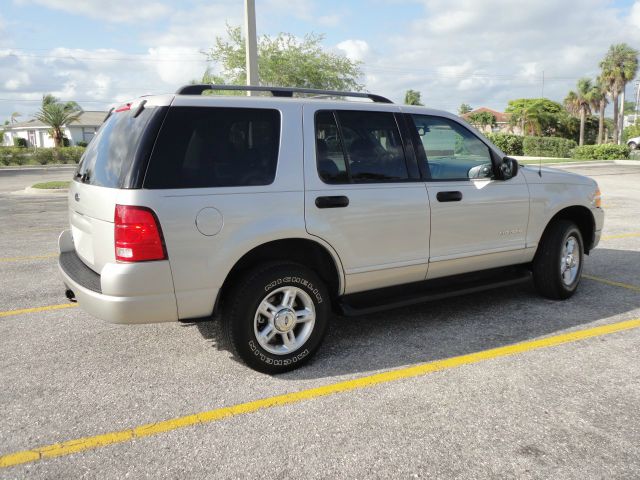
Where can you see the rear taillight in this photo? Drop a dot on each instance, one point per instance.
(138, 237)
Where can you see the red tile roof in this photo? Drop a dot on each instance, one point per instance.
(501, 117)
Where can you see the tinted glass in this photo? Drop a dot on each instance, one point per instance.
(373, 146)
(453, 152)
(113, 152)
(215, 147)
(329, 152)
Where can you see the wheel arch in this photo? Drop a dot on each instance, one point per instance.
(584, 220)
(305, 251)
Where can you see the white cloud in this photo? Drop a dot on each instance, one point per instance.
(114, 10)
(485, 52)
(355, 50)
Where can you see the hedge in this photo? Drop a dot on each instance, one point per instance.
(555, 147)
(605, 151)
(42, 156)
(508, 143)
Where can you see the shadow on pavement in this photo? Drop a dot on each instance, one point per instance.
(461, 325)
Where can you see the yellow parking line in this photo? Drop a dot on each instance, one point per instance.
(621, 235)
(10, 313)
(102, 440)
(612, 283)
(30, 257)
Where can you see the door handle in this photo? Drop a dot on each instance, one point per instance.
(449, 196)
(332, 202)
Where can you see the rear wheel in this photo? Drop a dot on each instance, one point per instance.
(633, 145)
(557, 266)
(277, 317)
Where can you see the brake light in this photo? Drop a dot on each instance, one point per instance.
(138, 237)
(123, 108)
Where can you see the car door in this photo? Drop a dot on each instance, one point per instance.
(478, 221)
(364, 195)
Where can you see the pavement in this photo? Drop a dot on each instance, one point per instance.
(431, 391)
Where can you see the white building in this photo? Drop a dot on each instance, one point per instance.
(36, 133)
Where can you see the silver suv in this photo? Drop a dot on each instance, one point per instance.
(280, 211)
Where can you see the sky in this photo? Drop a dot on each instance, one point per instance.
(480, 52)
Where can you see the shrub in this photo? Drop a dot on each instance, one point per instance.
(508, 143)
(555, 147)
(81, 144)
(14, 155)
(19, 142)
(605, 151)
(44, 156)
(71, 154)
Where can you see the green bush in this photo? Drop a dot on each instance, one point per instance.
(554, 147)
(508, 143)
(605, 151)
(81, 144)
(19, 142)
(14, 155)
(42, 156)
(71, 154)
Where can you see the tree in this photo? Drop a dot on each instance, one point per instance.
(14, 117)
(599, 101)
(629, 108)
(480, 120)
(534, 116)
(578, 103)
(464, 108)
(412, 97)
(619, 67)
(284, 60)
(57, 114)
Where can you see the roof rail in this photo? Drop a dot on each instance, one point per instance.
(197, 89)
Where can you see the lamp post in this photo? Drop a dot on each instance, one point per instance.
(251, 43)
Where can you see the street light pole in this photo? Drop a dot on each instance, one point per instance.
(251, 42)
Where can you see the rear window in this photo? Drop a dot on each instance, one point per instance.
(117, 153)
(202, 147)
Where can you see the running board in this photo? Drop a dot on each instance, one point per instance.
(396, 297)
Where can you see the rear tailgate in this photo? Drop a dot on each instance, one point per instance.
(114, 164)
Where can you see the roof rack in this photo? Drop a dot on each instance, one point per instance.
(197, 89)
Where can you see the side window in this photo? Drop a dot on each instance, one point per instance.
(453, 152)
(200, 147)
(359, 147)
(329, 152)
(373, 146)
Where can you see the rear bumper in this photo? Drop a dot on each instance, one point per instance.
(122, 293)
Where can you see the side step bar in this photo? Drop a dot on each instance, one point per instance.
(385, 299)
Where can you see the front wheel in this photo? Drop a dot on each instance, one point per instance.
(633, 145)
(277, 317)
(557, 266)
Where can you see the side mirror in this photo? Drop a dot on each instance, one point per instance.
(508, 168)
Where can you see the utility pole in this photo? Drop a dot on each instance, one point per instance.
(251, 42)
(542, 84)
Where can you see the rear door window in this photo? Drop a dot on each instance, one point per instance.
(359, 147)
(201, 147)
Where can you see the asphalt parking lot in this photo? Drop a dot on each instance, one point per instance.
(565, 405)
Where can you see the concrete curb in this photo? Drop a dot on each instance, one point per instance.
(627, 162)
(26, 168)
(43, 191)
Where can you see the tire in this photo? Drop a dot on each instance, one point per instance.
(262, 337)
(554, 279)
(633, 145)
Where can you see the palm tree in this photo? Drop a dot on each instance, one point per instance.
(619, 67)
(14, 116)
(412, 97)
(57, 115)
(578, 103)
(599, 102)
